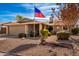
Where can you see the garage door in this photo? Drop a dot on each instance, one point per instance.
(15, 30)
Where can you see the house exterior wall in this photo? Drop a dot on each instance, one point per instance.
(57, 28)
(15, 30)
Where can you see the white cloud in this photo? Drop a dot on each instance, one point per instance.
(14, 14)
(48, 7)
(45, 8)
(6, 19)
(29, 6)
(7, 15)
(41, 6)
(38, 4)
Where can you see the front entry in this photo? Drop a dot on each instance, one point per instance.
(33, 30)
(50, 28)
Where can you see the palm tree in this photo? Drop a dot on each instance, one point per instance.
(19, 18)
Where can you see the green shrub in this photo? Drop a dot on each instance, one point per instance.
(44, 33)
(21, 35)
(75, 31)
(63, 35)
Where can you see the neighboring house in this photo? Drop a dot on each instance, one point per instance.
(56, 25)
(77, 24)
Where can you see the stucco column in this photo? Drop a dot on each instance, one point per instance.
(7, 30)
(62, 27)
(26, 29)
(40, 28)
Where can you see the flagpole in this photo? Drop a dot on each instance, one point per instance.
(34, 22)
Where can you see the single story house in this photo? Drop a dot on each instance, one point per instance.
(28, 27)
(31, 27)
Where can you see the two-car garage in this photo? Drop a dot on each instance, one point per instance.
(15, 30)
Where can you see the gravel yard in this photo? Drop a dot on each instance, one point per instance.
(30, 47)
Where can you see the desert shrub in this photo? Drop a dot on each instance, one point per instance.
(44, 33)
(21, 35)
(75, 31)
(63, 35)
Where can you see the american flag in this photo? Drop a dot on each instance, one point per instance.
(38, 13)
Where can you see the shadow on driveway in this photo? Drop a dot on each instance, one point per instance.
(21, 48)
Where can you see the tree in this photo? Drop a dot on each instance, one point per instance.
(68, 14)
(19, 18)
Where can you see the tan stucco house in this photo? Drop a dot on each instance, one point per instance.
(15, 28)
(29, 26)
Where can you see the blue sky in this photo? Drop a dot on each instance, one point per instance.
(8, 11)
